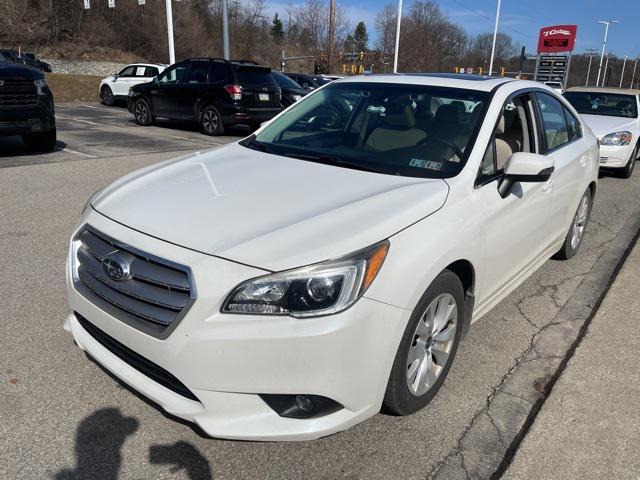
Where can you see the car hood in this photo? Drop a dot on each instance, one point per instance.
(267, 211)
(602, 125)
(19, 71)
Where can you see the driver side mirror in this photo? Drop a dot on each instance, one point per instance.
(115, 76)
(525, 167)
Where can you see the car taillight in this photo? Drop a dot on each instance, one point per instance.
(235, 91)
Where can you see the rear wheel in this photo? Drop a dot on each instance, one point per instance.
(575, 236)
(142, 112)
(40, 142)
(106, 96)
(428, 346)
(627, 171)
(211, 121)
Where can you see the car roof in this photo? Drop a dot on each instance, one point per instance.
(620, 91)
(468, 82)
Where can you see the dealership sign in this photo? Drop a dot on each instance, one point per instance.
(557, 38)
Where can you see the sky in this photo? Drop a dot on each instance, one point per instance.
(522, 19)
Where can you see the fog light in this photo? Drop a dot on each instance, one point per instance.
(301, 406)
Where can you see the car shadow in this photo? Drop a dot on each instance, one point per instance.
(237, 131)
(13, 146)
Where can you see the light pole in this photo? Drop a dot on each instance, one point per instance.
(606, 66)
(633, 75)
(606, 23)
(225, 29)
(622, 74)
(495, 34)
(172, 52)
(395, 54)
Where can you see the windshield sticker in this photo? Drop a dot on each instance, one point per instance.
(420, 163)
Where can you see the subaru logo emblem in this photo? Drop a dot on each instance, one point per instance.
(117, 268)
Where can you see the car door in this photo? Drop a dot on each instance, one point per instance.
(515, 228)
(196, 81)
(561, 140)
(120, 85)
(165, 95)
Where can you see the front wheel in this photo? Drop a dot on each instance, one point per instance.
(627, 171)
(428, 346)
(574, 238)
(106, 97)
(142, 112)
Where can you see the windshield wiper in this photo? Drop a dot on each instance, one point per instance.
(258, 145)
(332, 160)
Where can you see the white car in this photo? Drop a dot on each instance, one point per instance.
(557, 86)
(116, 87)
(286, 286)
(612, 115)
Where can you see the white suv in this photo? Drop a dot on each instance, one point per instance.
(288, 285)
(116, 87)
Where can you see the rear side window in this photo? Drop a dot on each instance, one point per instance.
(198, 72)
(218, 72)
(255, 76)
(573, 126)
(150, 72)
(553, 121)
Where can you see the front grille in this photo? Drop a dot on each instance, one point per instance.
(18, 92)
(144, 366)
(152, 296)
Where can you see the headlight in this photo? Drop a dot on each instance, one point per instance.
(40, 83)
(88, 202)
(320, 289)
(617, 139)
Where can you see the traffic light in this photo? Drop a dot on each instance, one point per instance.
(353, 69)
(361, 56)
(480, 70)
(345, 68)
(361, 69)
(456, 69)
(502, 71)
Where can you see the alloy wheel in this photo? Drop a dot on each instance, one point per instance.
(210, 121)
(580, 222)
(107, 96)
(433, 340)
(142, 112)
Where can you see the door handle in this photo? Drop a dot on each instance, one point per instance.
(583, 160)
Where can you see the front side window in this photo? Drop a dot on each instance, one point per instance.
(608, 104)
(386, 128)
(174, 74)
(127, 71)
(553, 121)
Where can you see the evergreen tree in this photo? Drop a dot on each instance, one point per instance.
(277, 30)
(361, 37)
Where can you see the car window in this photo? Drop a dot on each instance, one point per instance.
(382, 127)
(599, 103)
(553, 121)
(283, 81)
(574, 129)
(127, 71)
(255, 76)
(174, 74)
(218, 72)
(140, 71)
(149, 72)
(198, 72)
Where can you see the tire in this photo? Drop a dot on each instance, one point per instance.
(574, 237)
(40, 142)
(627, 171)
(106, 97)
(142, 112)
(211, 121)
(423, 359)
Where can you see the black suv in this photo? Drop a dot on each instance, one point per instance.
(26, 106)
(214, 92)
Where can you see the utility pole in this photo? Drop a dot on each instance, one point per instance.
(495, 34)
(398, 21)
(225, 29)
(172, 52)
(633, 75)
(604, 77)
(606, 23)
(332, 34)
(591, 52)
(622, 74)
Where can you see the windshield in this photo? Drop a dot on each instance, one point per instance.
(396, 129)
(608, 104)
(285, 82)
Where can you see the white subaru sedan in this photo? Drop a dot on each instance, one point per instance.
(291, 284)
(612, 115)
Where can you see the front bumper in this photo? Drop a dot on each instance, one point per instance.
(615, 157)
(226, 361)
(36, 118)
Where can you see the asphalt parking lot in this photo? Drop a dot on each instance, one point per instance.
(64, 417)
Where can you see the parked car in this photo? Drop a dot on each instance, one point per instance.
(254, 289)
(557, 86)
(116, 87)
(26, 106)
(291, 91)
(309, 82)
(612, 115)
(214, 92)
(32, 60)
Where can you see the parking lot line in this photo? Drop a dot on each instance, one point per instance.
(78, 153)
(77, 120)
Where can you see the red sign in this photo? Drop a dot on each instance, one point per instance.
(558, 38)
